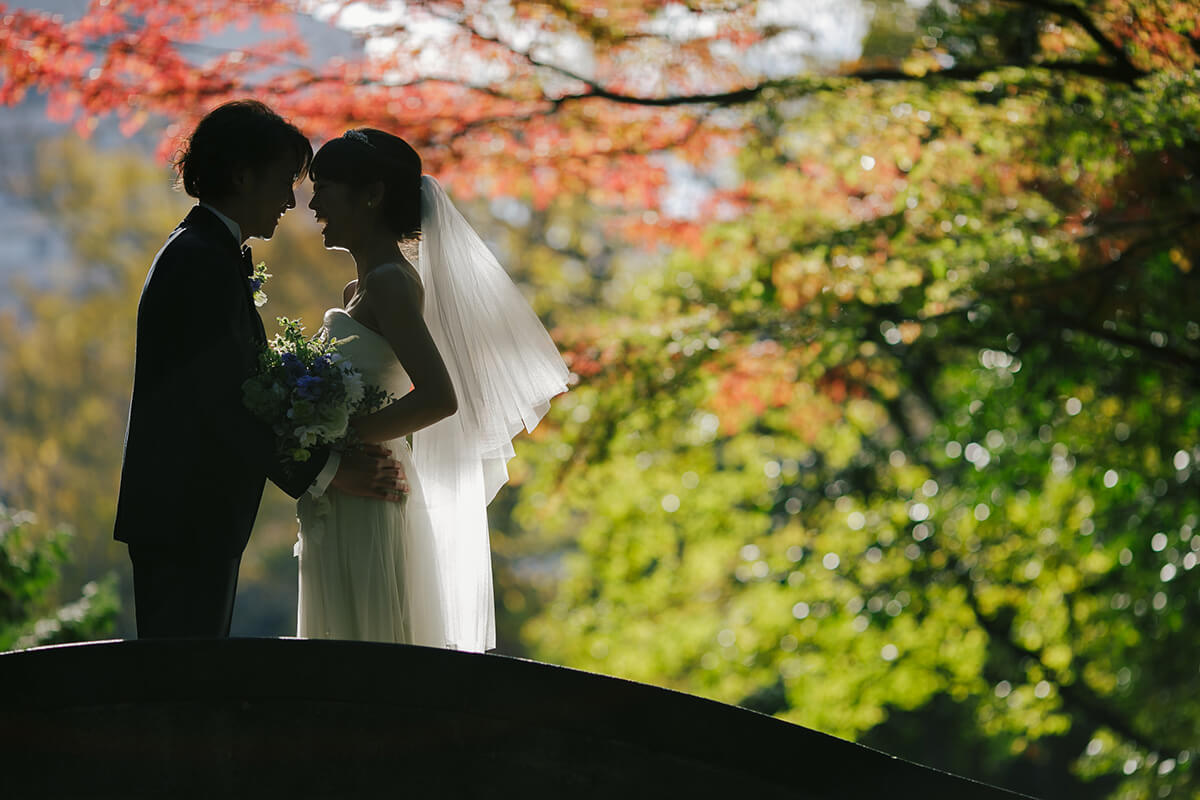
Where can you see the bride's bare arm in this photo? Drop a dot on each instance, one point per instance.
(394, 299)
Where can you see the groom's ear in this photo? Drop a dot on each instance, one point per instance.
(241, 178)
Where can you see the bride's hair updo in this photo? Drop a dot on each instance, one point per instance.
(364, 156)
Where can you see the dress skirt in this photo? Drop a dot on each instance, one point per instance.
(368, 568)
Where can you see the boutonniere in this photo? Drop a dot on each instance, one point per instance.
(258, 279)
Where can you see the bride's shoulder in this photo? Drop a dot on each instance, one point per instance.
(394, 282)
(394, 276)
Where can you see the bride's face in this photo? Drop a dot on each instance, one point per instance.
(343, 212)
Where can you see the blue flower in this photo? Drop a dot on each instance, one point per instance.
(292, 363)
(308, 386)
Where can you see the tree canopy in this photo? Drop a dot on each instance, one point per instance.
(548, 97)
(895, 421)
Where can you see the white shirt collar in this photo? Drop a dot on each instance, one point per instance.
(234, 228)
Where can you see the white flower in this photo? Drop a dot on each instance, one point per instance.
(337, 424)
(353, 383)
(307, 435)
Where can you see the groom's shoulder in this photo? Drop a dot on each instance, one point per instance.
(185, 264)
(189, 238)
(188, 245)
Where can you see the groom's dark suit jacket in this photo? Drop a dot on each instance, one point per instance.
(195, 459)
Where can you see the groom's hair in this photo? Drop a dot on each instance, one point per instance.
(231, 137)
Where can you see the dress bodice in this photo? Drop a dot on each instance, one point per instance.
(368, 352)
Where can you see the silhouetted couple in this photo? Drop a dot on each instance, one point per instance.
(393, 542)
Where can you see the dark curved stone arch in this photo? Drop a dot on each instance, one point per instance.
(276, 717)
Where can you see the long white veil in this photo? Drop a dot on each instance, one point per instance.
(505, 368)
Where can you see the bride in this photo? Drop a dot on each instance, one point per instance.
(467, 365)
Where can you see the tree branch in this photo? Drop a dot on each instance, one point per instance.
(1183, 361)
(811, 86)
(594, 90)
(1124, 71)
(1079, 16)
(1091, 69)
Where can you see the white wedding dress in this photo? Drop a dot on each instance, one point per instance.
(368, 568)
(420, 572)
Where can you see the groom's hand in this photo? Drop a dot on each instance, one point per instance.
(370, 471)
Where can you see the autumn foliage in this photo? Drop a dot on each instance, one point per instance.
(531, 98)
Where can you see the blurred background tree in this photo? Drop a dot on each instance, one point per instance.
(30, 559)
(917, 433)
(887, 428)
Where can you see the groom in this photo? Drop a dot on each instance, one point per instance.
(196, 460)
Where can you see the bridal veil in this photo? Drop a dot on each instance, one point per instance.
(505, 369)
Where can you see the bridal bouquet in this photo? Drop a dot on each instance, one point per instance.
(306, 391)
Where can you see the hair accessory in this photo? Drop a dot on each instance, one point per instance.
(358, 136)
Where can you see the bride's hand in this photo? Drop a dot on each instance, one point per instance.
(370, 471)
